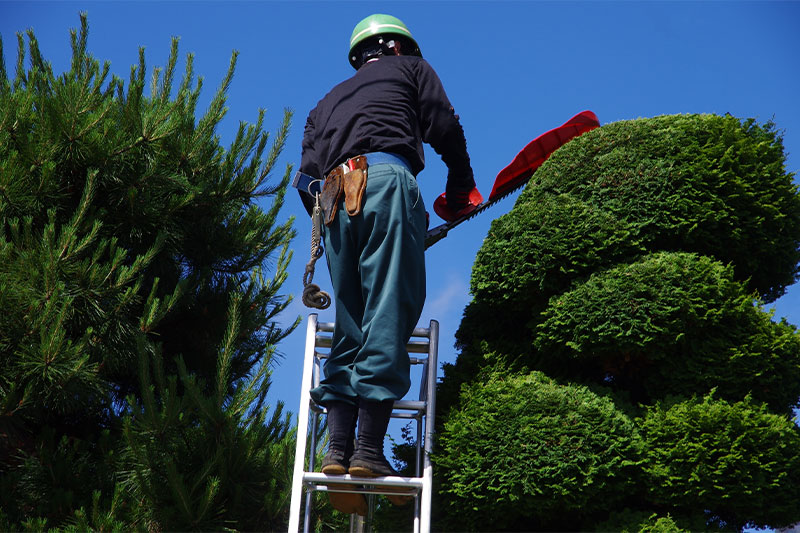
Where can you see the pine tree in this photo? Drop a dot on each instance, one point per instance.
(137, 323)
(629, 376)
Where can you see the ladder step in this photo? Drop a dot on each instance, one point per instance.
(418, 332)
(410, 405)
(401, 405)
(405, 405)
(324, 341)
(385, 481)
(411, 360)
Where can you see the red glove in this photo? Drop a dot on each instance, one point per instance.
(453, 212)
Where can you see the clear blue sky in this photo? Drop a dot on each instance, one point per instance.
(513, 69)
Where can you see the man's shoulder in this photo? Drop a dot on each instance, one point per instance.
(408, 62)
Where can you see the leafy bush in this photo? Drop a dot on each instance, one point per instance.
(631, 521)
(737, 460)
(672, 324)
(637, 259)
(708, 184)
(520, 447)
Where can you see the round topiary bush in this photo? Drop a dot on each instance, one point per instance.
(520, 447)
(672, 324)
(709, 184)
(638, 258)
(706, 184)
(735, 460)
(534, 254)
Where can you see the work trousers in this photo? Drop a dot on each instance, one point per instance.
(377, 264)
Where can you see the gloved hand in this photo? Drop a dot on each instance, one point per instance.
(457, 199)
(444, 207)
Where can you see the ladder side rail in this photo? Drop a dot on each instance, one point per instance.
(418, 466)
(418, 448)
(311, 464)
(423, 389)
(302, 426)
(423, 397)
(427, 476)
(420, 347)
(316, 412)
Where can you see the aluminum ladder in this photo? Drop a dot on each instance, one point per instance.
(424, 345)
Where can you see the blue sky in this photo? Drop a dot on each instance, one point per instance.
(512, 69)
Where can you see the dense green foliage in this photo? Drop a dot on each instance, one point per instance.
(711, 454)
(579, 471)
(636, 263)
(137, 319)
(670, 324)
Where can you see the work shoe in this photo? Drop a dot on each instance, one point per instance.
(363, 465)
(341, 420)
(368, 459)
(334, 463)
(378, 467)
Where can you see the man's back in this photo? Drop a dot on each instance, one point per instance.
(389, 105)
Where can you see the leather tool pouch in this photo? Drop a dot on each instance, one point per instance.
(331, 191)
(355, 183)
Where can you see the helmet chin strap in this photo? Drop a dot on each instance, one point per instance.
(379, 49)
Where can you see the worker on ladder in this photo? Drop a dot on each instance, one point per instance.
(365, 137)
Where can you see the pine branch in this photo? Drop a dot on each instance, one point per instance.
(20, 79)
(79, 48)
(169, 73)
(4, 83)
(227, 349)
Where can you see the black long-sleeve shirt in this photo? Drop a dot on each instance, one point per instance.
(392, 105)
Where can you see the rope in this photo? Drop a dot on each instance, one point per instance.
(313, 296)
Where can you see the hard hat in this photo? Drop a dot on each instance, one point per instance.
(378, 24)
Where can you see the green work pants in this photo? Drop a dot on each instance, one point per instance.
(377, 264)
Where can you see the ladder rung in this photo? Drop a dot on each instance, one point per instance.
(323, 341)
(411, 493)
(411, 360)
(418, 332)
(410, 405)
(405, 405)
(406, 416)
(385, 481)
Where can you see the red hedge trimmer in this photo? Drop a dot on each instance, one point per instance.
(514, 176)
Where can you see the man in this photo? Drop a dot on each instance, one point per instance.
(372, 126)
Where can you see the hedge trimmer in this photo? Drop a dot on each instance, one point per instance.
(512, 177)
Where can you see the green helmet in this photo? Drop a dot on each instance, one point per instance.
(380, 25)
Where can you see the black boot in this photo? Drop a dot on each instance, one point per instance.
(368, 459)
(341, 430)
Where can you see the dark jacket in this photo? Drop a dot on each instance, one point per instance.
(392, 105)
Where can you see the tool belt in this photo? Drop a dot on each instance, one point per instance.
(349, 178)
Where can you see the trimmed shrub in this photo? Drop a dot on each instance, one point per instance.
(709, 184)
(736, 460)
(672, 323)
(706, 184)
(630, 521)
(522, 449)
(637, 260)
